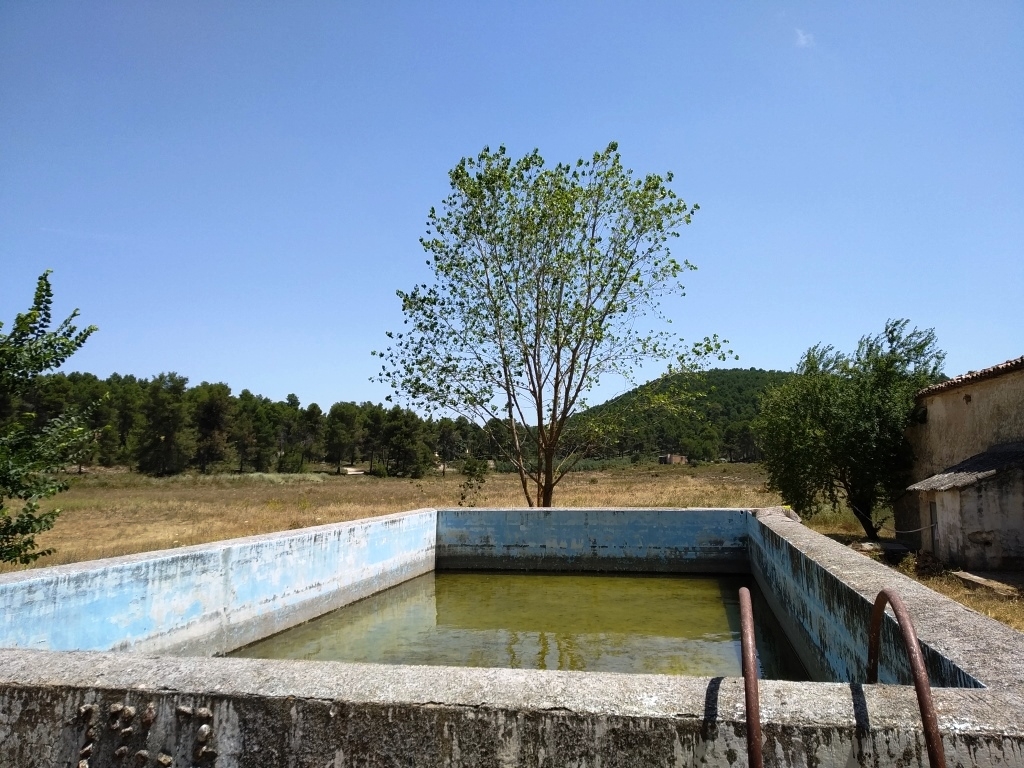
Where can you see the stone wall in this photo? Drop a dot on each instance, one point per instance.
(822, 593)
(99, 710)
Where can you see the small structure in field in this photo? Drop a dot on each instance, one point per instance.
(967, 498)
(672, 458)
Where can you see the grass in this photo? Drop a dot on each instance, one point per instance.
(110, 513)
(107, 513)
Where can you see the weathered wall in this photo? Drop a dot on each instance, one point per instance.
(822, 593)
(966, 421)
(990, 523)
(214, 597)
(657, 540)
(117, 710)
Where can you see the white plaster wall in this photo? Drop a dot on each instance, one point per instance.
(992, 523)
(949, 533)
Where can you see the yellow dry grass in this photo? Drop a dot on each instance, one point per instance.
(116, 513)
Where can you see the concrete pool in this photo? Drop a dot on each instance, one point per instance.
(95, 665)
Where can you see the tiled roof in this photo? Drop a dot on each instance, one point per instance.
(972, 376)
(977, 468)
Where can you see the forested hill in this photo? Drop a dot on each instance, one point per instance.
(715, 423)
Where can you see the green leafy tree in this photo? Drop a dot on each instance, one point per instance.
(288, 417)
(32, 453)
(167, 438)
(450, 443)
(343, 432)
(253, 432)
(212, 409)
(372, 446)
(835, 432)
(541, 279)
(406, 453)
(126, 396)
(311, 428)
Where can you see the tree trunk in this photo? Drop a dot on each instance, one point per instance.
(864, 518)
(548, 488)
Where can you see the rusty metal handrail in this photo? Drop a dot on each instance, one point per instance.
(750, 688)
(932, 738)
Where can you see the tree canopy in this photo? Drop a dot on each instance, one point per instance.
(542, 281)
(32, 449)
(835, 432)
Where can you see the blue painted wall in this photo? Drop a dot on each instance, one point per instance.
(659, 540)
(212, 598)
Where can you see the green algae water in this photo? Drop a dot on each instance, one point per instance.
(680, 625)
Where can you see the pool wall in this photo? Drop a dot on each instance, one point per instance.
(212, 598)
(99, 708)
(822, 594)
(637, 540)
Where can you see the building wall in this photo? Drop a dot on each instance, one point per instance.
(991, 517)
(966, 421)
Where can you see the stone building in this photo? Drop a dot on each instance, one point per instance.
(967, 497)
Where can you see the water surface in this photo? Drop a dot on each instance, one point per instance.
(682, 625)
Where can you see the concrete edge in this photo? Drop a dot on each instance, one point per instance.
(974, 642)
(30, 574)
(783, 704)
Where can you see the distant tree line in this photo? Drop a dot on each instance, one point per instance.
(162, 426)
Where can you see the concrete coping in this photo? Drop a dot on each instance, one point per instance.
(987, 649)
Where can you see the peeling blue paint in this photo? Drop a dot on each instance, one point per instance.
(663, 540)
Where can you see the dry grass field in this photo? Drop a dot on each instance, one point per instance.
(109, 513)
(117, 513)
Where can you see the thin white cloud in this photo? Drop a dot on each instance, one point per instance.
(804, 39)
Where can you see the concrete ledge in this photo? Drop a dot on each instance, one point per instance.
(264, 713)
(823, 592)
(212, 598)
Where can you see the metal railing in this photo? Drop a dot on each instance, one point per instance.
(751, 694)
(932, 738)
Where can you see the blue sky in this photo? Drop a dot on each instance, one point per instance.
(234, 191)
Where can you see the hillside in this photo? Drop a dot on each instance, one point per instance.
(705, 417)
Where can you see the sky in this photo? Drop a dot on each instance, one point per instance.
(234, 191)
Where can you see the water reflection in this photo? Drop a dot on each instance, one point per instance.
(659, 624)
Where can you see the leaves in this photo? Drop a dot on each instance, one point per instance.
(836, 432)
(31, 454)
(543, 277)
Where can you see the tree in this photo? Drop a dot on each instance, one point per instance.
(541, 277)
(311, 434)
(835, 432)
(253, 432)
(343, 432)
(31, 454)
(212, 410)
(167, 440)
